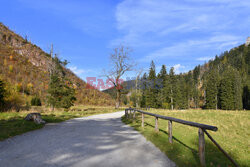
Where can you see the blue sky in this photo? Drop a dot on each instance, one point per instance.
(177, 33)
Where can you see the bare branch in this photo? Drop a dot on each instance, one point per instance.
(120, 63)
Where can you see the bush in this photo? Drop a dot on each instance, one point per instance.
(14, 102)
(2, 95)
(36, 101)
(165, 105)
(9, 98)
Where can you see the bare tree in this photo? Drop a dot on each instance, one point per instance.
(120, 64)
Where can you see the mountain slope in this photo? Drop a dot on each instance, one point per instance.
(26, 66)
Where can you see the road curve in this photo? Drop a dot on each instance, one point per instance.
(94, 141)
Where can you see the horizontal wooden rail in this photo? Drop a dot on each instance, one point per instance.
(198, 125)
(130, 112)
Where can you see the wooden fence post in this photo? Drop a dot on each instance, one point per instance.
(142, 120)
(134, 115)
(170, 134)
(202, 147)
(156, 124)
(130, 114)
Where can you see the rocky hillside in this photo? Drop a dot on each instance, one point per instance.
(26, 66)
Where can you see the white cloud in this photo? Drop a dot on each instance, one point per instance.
(183, 49)
(151, 22)
(78, 71)
(178, 68)
(204, 58)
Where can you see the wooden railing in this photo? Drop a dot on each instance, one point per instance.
(131, 113)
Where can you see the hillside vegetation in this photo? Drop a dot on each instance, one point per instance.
(25, 67)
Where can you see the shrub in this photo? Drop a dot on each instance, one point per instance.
(9, 98)
(166, 105)
(2, 95)
(36, 101)
(10, 68)
(14, 102)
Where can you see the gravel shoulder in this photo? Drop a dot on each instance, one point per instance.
(99, 140)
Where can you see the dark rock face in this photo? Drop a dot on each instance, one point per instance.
(36, 117)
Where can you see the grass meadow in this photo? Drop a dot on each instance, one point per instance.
(233, 135)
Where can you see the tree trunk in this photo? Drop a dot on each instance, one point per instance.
(172, 106)
(118, 98)
(216, 102)
(205, 101)
(53, 108)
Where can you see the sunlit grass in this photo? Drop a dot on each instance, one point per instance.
(233, 135)
(13, 123)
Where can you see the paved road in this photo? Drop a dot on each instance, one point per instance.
(100, 140)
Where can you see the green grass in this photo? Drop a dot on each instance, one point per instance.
(13, 123)
(233, 135)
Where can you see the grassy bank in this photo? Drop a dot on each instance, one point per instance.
(233, 135)
(13, 123)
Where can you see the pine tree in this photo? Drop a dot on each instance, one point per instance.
(68, 95)
(172, 86)
(246, 78)
(152, 88)
(152, 72)
(55, 90)
(212, 90)
(246, 98)
(60, 92)
(237, 86)
(196, 75)
(190, 89)
(166, 91)
(163, 73)
(161, 82)
(144, 90)
(246, 55)
(180, 93)
(230, 90)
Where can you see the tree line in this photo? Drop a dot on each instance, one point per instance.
(222, 83)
